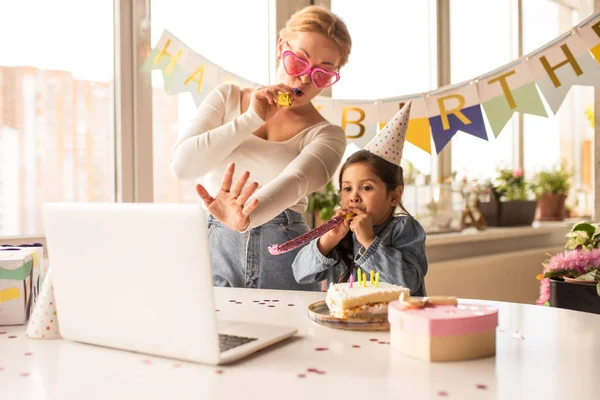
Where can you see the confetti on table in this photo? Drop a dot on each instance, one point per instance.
(28, 354)
(271, 305)
(321, 348)
(518, 335)
(301, 375)
(381, 342)
(481, 387)
(355, 346)
(276, 301)
(291, 305)
(373, 340)
(219, 371)
(316, 371)
(256, 301)
(147, 362)
(232, 301)
(442, 393)
(2, 333)
(12, 337)
(25, 374)
(261, 303)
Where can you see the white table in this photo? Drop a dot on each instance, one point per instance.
(554, 355)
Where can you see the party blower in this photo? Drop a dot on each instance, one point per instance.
(301, 240)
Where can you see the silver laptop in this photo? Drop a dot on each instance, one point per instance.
(138, 277)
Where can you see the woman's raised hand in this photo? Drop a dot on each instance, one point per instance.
(229, 206)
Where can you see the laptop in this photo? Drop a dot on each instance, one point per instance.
(138, 277)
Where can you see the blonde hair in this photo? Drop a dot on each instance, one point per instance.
(320, 20)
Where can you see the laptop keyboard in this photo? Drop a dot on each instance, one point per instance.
(228, 342)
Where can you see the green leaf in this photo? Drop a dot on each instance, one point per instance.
(586, 227)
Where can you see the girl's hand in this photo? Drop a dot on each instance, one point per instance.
(264, 100)
(229, 207)
(331, 239)
(362, 226)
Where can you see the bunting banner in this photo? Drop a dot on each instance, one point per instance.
(589, 32)
(520, 86)
(507, 90)
(454, 109)
(565, 63)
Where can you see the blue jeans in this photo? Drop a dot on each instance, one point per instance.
(243, 260)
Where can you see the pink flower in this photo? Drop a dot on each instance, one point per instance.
(517, 173)
(574, 260)
(544, 292)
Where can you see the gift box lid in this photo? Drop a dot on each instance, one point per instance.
(443, 320)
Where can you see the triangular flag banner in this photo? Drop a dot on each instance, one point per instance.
(389, 143)
(589, 32)
(167, 56)
(196, 76)
(562, 65)
(452, 110)
(43, 322)
(506, 91)
(419, 131)
(358, 119)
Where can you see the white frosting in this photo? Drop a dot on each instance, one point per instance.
(342, 297)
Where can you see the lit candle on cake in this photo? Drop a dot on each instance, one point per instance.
(365, 279)
(372, 277)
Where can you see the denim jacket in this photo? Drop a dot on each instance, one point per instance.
(397, 253)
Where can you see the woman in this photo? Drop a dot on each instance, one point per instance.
(291, 151)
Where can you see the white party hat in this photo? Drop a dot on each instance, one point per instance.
(389, 143)
(43, 322)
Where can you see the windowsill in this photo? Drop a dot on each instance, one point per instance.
(496, 233)
(15, 240)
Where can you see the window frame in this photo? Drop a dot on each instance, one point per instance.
(133, 94)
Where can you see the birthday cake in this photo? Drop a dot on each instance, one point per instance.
(353, 300)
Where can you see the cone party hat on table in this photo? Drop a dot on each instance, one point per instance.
(43, 323)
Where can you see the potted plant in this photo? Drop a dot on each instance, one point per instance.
(508, 200)
(571, 279)
(551, 188)
(322, 204)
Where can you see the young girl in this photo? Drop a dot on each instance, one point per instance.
(376, 238)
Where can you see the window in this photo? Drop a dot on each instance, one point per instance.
(232, 34)
(394, 53)
(480, 41)
(56, 109)
(567, 136)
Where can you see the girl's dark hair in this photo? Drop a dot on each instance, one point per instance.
(391, 175)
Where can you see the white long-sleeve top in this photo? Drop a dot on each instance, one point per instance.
(286, 171)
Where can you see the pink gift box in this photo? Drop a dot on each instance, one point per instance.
(443, 333)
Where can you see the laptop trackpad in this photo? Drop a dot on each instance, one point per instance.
(224, 326)
(253, 330)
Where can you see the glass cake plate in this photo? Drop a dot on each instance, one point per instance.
(319, 313)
